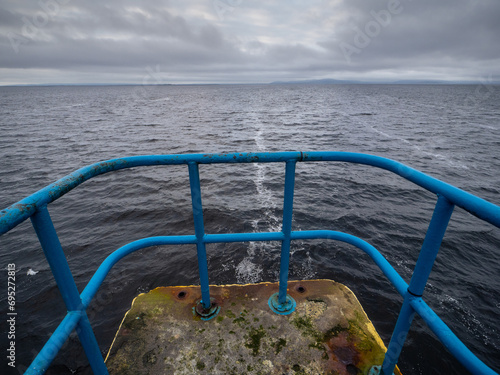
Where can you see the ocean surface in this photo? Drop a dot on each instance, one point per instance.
(449, 132)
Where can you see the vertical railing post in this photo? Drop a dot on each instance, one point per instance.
(428, 253)
(430, 247)
(199, 229)
(282, 303)
(54, 253)
(44, 228)
(287, 228)
(90, 346)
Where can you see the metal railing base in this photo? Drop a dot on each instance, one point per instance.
(282, 308)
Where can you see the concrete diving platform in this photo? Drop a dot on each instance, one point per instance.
(328, 333)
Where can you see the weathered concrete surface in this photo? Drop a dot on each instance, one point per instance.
(329, 333)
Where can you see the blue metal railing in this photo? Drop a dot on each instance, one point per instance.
(35, 208)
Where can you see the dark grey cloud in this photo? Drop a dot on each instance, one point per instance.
(245, 41)
(458, 29)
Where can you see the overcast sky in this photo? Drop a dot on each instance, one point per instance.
(244, 41)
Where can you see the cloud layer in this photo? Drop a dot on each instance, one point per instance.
(205, 41)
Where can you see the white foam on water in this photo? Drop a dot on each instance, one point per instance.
(306, 270)
(31, 272)
(161, 99)
(416, 148)
(249, 269)
(248, 272)
(468, 319)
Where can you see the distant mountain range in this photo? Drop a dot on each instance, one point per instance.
(327, 81)
(330, 81)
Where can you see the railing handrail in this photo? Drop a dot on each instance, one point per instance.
(22, 210)
(35, 207)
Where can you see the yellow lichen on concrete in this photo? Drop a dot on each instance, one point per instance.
(328, 333)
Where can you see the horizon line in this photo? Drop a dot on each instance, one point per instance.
(298, 82)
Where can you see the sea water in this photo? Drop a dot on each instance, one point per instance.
(447, 131)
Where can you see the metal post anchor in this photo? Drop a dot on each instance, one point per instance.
(206, 314)
(285, 308)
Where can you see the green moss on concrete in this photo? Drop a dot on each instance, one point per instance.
(334, 332)
(149, 359)
(254, 339)
(306, 326)
(241, 321)
(135, 322)
(159, 337)
(278, 345)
